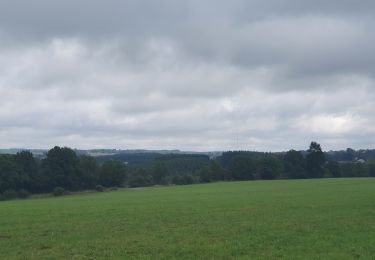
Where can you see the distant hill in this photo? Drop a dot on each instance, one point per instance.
(138, 155)
(107, 154)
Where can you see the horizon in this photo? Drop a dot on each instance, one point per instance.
(180, 150)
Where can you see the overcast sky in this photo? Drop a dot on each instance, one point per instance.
(187, 74)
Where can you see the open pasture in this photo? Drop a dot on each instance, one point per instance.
(289, 219)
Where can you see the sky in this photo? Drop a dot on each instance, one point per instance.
(186, 74)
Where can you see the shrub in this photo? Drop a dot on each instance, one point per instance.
(22, 193)
(188, 179)
(112, 174)
(58, 191)
(140, 181)
(10, 194)
(183, 180)
(178, 180)
(99, 188)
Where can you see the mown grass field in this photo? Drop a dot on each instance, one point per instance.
(289, 219)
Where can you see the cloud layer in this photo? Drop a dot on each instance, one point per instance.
(215, 75)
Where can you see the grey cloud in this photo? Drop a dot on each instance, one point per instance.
(44, 18)
(306, 38)
(187, 74)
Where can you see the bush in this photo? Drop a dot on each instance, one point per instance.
(371, 169)
(188, 179)
(183, 180)
(22, 193)
(58, 191)
(178, 180)
(112, 174)
(140, 181)
(10, 194)
(99, 188)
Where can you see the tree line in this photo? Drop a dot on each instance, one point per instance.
(63, 170)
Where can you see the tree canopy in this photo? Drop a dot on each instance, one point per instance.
(63, 170)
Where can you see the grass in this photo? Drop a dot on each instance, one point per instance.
(287, 219)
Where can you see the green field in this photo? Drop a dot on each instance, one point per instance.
(289, 219)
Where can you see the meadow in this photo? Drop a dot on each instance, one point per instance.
(282, 219)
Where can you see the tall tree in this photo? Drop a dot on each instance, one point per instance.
(29, 170)
(61, 168)
(243, 167)
(334, 169)
(371, 167)
(112, 174)
(294, 165)
(315, 161)
(88, 171)
(159, 172)
(270, 168)
(10, 173)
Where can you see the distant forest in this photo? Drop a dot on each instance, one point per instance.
(62, 169)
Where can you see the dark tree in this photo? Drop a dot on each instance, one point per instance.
(353, 169)
(140, 178)
(270, 168)
(212, 172)
(61, 169)
(315, 161)
(159, 172)
(350, 153)
(334, 169)
(112, 174)
(10, 174)
(243, 167)
(89, 171)
(294, 165)
(218, 173)
(371, 167)
(29, 170)
(183, 179)
(206, 174)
